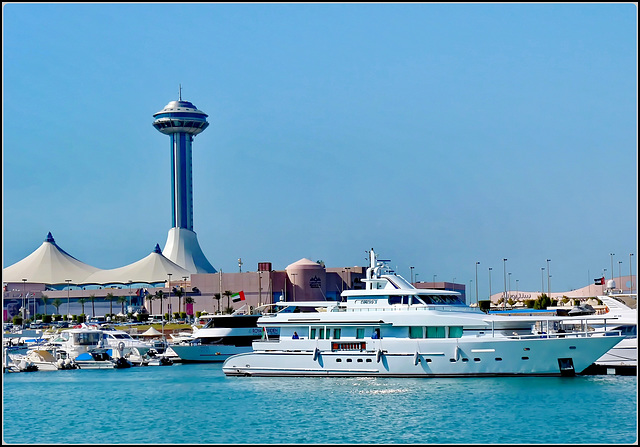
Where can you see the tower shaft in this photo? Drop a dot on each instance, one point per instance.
(181, 180)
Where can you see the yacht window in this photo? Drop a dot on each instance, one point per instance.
(395, 299)
(455, 331)
(336, 333)
(321, 333)
(417, 300)
(405, 299)
(435, 332)
(359, 333)
(415, 332)
(313, 333)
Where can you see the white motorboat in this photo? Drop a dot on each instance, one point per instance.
(47, 360)
(391, 328)
(623, 357)
(114, 338)
(221, 337)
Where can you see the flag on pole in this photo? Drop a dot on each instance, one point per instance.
(599, 281)
(237, 297)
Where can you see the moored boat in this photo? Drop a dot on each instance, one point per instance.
(390, 328)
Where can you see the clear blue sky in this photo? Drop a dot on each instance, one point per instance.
(438, 134)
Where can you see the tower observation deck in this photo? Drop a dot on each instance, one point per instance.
(182, 121)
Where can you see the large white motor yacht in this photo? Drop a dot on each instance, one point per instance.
(390, 328)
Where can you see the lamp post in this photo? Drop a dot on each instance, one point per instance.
(517, 288)
(434, 278)
(509, 290)
(504, 264)
(68, 281)
(604, 275)
(630, 274)
(168, 299)
(348, 269)
(477, 262)
(294, 285)
(542, 278)
(619, 275)
(548, 279)
(260, 288)
(490, 283)
(24, 283)
(612, 255)
(411, 274)
(129, 296)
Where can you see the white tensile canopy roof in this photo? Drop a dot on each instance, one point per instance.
(151, 332)
(49, 264)
(152, 269)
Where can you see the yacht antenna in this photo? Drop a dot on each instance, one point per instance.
(179, 92)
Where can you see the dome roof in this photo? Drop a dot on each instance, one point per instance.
(304, 264)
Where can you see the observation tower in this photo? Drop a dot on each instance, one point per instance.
(182, 121)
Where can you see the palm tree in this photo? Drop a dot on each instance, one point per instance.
(150, 299)
(92, 298)
(216, 296)
(228, 294)
(45, 300)
(82, 301)
(57, 303)
(160, 294)
(121, 300)
(179, 291)
(109, 298)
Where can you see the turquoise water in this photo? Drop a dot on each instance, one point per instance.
(197, 404)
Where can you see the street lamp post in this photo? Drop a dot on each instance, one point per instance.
(348, 269)
(630, 274)
(477, 262)
(509, 294)
(517, 288)
(619, 275)
(612, 255)
(504, 264)
(542, 278)
(24, 283)
(434, 278)
(294, 285)
(68, 281)
(411, 274)
(169, 298)
(548, 279)
(490, 283)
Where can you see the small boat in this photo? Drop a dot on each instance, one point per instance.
(47, 360)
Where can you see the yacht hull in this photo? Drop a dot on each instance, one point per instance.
(208, 353)
(421, 358)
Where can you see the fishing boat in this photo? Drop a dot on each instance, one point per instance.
(222, 336)
(391, 328)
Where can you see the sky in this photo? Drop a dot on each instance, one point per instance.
(440, 135)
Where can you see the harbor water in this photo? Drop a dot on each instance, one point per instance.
(198, 404)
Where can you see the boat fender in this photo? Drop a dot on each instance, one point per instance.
(416, 358)
(378, 355)
(316, 353)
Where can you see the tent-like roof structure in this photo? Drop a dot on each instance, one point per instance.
(151, 332)
(49, 264)
(152, 269)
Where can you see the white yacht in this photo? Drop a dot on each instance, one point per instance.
(623, 357)
(84, 346)
(221, 337)
(391, 328)
(114, 339)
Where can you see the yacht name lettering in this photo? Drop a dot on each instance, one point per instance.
(368, 301)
